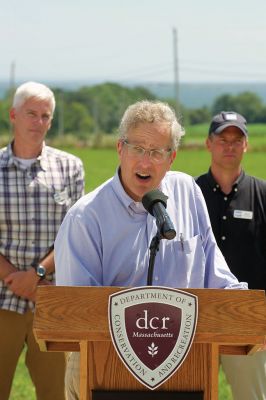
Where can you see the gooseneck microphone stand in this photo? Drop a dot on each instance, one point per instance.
(155, 203)
(154, 248)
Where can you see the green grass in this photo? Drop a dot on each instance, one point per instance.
(197, 162)
(201, 130)
(196, 134)
(99, 166)
(224, 389)
(22, 388)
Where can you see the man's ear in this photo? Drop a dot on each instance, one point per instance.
(119, 146)
(246, 146)
(50, 124)
(173, 156)
(172, 159)
(208, 144)
(12, 114)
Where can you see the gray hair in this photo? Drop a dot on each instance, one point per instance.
(151, 111)
(33, 89)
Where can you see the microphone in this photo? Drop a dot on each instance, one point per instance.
(155, 203)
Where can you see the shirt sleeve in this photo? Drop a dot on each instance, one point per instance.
(78, 252)
(78, 185)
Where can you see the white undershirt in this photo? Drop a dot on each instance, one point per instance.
(25, 162)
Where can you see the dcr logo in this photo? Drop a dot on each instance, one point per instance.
(151, 323)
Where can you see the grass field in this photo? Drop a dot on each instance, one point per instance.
(197, 134)
(99, 166)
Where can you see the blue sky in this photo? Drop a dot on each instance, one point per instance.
(132, 40)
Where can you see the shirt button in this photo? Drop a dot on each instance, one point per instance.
(214, 189)
(223, 237)
(235, 189)
(224, 217)
(225, 198)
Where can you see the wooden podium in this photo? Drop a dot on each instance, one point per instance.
(76, 319)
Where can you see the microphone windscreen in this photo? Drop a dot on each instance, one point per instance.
(152, 197)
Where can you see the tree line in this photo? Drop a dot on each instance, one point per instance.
(98, 109)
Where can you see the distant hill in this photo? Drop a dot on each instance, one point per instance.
(192, 95)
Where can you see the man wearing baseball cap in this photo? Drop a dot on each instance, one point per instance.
(237, 207)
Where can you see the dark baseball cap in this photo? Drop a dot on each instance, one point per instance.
(225, 119)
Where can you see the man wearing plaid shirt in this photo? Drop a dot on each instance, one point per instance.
(38, 186)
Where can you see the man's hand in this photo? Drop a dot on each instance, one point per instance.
(24, 283)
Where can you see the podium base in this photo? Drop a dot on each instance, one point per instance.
(145, 395)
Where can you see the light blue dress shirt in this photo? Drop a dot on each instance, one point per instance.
(104, 240)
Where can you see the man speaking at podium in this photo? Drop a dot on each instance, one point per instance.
(104, 239)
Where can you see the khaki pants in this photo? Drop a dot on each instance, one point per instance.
(72, 376)
(47, 370)
(246, 375)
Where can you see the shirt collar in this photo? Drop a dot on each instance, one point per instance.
(43, 158)
(131, 205)
(213, 184)
(163, 187)
(8, 159)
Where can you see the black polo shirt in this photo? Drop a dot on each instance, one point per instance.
(239, 225)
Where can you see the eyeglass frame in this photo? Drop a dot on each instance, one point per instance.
(163, 152)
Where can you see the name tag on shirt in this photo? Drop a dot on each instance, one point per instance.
(62, 197)
(243, 214)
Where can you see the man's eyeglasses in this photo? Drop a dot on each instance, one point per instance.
(156, 155)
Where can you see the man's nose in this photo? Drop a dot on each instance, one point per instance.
(146, 159)
(38, 120)
(231, 145)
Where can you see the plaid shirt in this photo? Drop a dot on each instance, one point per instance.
(33, 203)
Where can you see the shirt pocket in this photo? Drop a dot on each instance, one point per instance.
(190, 261)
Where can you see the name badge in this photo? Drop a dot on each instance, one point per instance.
(243, 214)
(62, 197)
